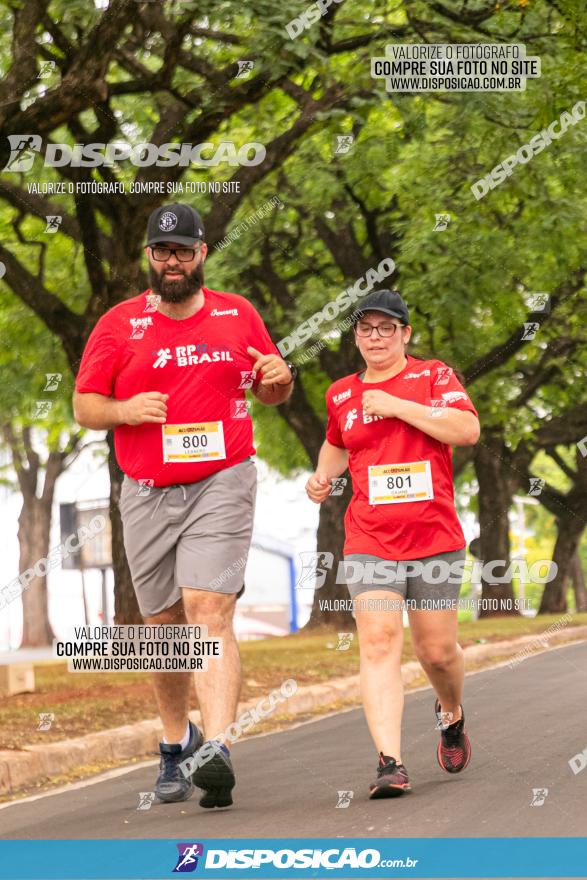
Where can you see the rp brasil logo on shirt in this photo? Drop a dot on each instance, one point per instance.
(352, 415)
(191, 355)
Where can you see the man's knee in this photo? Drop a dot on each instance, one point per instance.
(173, 614)
(214, 610)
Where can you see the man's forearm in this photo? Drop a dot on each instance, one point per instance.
(272, 395)
(98, 412)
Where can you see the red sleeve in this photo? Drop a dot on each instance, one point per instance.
(333, 434)
(259, 335)
(100, 361)
(259, 338)
(446, 387)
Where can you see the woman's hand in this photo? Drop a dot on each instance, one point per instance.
(379, 403)
(318, 487)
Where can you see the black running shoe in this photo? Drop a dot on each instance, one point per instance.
(214, 774)
(454, 748)
(172, 784)
(392, 779)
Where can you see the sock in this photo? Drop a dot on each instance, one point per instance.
(454, 723)
(440, 714)
(385, 759)
(184, 742)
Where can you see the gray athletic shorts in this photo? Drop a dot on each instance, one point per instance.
(194, 535)
(423, 584)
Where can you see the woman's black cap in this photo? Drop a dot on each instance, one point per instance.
(387, 301)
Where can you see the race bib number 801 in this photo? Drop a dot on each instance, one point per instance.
(201, 441)
(398, 483)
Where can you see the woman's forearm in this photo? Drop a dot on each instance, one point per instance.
(332, 461)
(453, 426)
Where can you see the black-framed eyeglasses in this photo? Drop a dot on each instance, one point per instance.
(384, 330)
(182, 254)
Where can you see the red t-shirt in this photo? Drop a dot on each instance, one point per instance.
(408, 529)
(199, 361)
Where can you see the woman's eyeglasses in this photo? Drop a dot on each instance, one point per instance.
(384, 330)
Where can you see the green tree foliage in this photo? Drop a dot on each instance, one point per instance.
(168, 72)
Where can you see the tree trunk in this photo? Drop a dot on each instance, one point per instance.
(330, 539)
(554, 597)
(495, 497)
(126, 609)
(34, 525)
(578, 579)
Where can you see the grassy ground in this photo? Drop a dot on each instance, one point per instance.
(86, 703)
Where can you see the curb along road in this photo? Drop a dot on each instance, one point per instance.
(39, 763)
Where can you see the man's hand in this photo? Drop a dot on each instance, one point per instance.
(379, 403)
(318, 487)
(274, 369)
(149, 406)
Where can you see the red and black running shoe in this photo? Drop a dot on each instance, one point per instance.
(392, 779)
(454, 748)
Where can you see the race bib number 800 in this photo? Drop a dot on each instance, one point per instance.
(398, 483)
(195, 442)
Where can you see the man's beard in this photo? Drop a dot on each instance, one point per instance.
(176, 291)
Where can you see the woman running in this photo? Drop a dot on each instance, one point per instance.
(392, 424)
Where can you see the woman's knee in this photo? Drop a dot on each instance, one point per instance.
(437, 655)
(378, 643)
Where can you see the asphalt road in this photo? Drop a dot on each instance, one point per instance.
(525, 725)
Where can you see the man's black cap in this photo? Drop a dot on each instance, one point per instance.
(387, 301)
(180, 223)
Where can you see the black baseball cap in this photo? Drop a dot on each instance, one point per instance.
(387, 301)
(180, 223)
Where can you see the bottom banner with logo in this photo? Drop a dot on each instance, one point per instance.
(531, 857)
